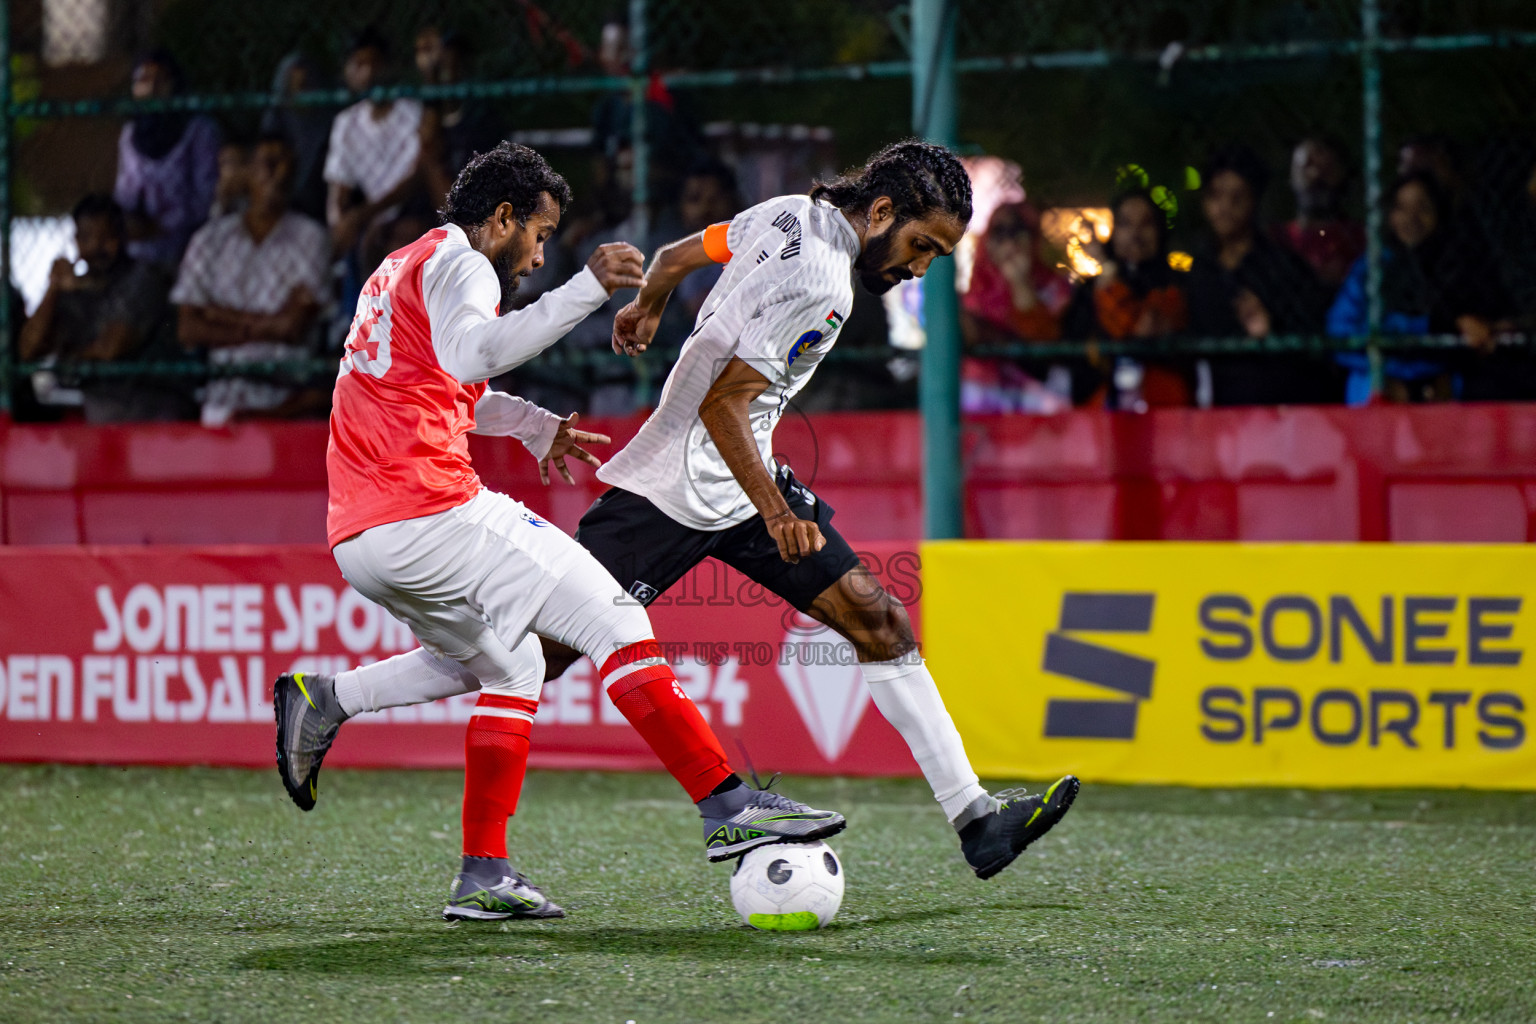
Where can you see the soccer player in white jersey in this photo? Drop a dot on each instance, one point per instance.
(699, 479)
(472, 572)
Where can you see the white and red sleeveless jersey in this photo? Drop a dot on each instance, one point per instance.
(398, 420)
(425, 338)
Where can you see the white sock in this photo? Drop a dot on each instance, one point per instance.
(414, 677)
(905, 693)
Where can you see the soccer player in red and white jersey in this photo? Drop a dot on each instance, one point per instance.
(473, 573)
(699, 480)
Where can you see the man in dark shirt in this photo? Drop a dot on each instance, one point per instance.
(110, 313)
(1322, 234)
(1245, 285)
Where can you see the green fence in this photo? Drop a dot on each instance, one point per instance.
(1083, 98)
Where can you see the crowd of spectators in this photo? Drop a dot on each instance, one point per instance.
(1443, 272)
(249, 250)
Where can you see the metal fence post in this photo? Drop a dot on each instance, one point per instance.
(6, 327)
(934, 118)
(639, 67)
(1370, 75)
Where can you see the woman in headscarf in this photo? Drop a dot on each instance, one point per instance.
(167, 167)
(1015, 295)
(1136, 295)
(1430, 284)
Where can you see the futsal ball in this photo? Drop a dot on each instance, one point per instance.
(788, 887)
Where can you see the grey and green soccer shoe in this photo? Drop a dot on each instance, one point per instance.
(743, 818)
(991, 842)
(308, 715)
(490, 889)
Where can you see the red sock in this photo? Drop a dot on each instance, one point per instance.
(495, 760)
(641, 685)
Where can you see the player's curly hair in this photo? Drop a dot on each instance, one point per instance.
(919, 177)
(510, 173)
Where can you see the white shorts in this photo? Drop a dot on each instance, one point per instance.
(473, 581)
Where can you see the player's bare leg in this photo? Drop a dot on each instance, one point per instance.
(993, 828)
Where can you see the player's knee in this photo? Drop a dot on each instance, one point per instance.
(873, 621)
(890, 634)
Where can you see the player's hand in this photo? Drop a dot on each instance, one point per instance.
(569, 441)
(633, 329)
(618, 265)
(795, 537)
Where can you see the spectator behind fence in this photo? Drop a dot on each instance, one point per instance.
(250, 287)
(607, 386)
(1015, 295)
(370, 167)
(1428, 286)
(111, 313)
(1517, 248)
(710, 195)
(1244, 285)
(167, 167)
(1322, 234)
(452, 131)
(1136, 295)
(670, 128)
(233, 186)
(307, 128)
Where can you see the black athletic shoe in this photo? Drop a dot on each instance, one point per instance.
(991, 843)
(308, 716)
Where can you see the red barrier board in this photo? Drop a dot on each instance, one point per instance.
(166, 655)
(1449, 473)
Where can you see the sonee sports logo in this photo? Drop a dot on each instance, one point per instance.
(1089, 663)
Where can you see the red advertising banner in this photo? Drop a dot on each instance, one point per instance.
(166, 655)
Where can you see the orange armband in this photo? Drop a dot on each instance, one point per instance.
(715, 246)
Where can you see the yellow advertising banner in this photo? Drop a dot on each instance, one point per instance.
(1239, 664)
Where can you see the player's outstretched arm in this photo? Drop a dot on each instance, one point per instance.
(724, 413)
(635, 325)
(474, 344)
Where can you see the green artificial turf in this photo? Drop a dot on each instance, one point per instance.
(203, 894)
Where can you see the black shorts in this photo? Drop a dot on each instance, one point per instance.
(647, 550)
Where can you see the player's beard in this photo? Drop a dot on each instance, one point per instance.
(871, 265)
(510, 278)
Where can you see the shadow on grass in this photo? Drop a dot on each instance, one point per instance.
(429, 953)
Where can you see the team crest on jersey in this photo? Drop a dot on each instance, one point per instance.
(532, 520)
(802, 344)
(810, 339)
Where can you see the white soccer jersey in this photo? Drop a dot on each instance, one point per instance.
(777, 307)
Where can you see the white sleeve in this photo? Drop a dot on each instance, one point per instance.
(474, 344)
(790, 320)
(499, 414)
